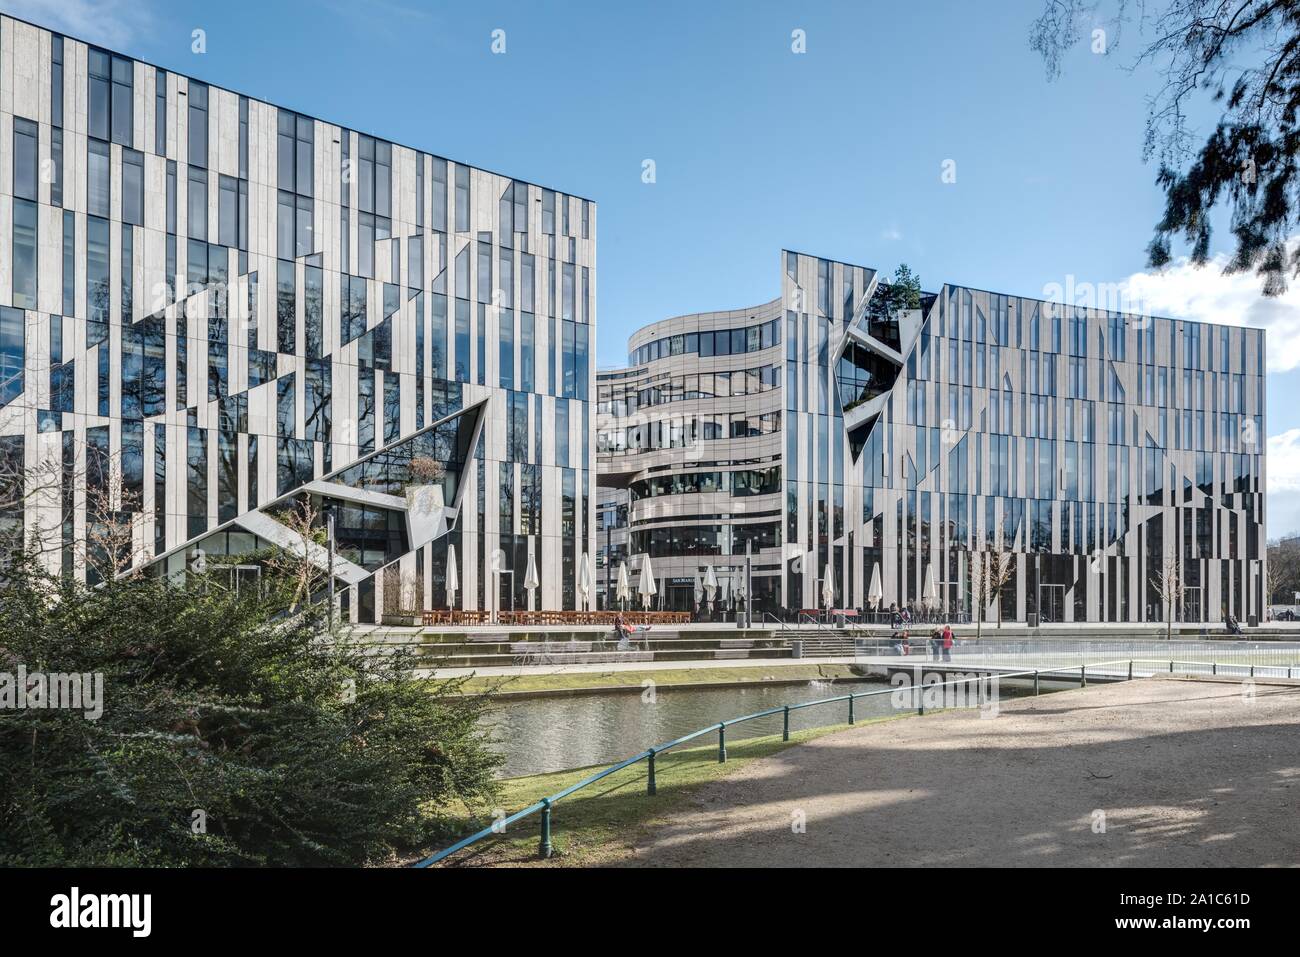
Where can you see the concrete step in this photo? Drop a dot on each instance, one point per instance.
(451, 649)
(595, 657)
(492, 634)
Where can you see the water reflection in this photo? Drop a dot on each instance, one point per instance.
(539, 735)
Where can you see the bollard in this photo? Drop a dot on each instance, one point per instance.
(1171, 666)
(1035, 682)
(1130, 669)
(1214, 667)
(650, 787)
(544, 849)
(722, 743)
(920, 699)
(785, 725)
(850, 709)
(1252, 671)
(1083, 676)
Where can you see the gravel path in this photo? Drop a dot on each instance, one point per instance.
(1187, 773)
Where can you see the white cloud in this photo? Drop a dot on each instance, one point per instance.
(114, 23)
(893, 234)
(1183, 291)
(1284, 483)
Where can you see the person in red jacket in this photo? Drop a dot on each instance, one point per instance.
(947, 642)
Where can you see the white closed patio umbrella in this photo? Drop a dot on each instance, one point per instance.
(875, 593)
(710, 585)
(531, 580)
(646, 587)
(828, 586)
(623, 588)
(584, 580)
(928, 590)
(453, 580)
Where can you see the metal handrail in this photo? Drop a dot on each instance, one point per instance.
(812, 620)
(1214, 666)
(544, 847)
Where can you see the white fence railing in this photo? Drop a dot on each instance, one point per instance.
(1059, 652)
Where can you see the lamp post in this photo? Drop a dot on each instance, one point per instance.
(609, 550)
(329, 534)
(747, 614)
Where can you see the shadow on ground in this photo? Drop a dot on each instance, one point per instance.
(1149, 773)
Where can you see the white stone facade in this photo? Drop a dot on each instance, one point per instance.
(232, 342)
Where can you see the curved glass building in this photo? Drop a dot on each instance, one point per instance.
(689, 445)
(1111, 466)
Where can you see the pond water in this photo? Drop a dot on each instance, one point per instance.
(556, 732)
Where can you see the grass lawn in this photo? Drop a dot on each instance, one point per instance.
(600, 824)
(574, 681)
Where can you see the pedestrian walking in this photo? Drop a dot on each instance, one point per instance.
(897, 636)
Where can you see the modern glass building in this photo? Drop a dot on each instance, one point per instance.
(212, 306)
(689, 446)
(900, 457)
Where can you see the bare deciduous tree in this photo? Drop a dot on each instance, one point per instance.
(113, 516)
(109, 548)
(1283, 575)
(1168, 583)
(1272, 582)
(990, 572)
(305, 576)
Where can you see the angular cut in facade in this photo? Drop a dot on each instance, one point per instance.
(210, 305)
(1089, 452)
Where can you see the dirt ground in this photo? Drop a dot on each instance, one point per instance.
(1154, 772)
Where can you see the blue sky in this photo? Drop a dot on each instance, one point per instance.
(837, 151)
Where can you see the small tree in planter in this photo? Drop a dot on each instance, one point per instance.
(990, 572)
(424, 490)
(403, 596)
(1168, 583)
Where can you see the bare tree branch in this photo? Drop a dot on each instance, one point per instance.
(1243, 54)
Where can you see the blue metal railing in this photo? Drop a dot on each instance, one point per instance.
(544, 847)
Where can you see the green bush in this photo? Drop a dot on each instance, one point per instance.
(218, 708)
